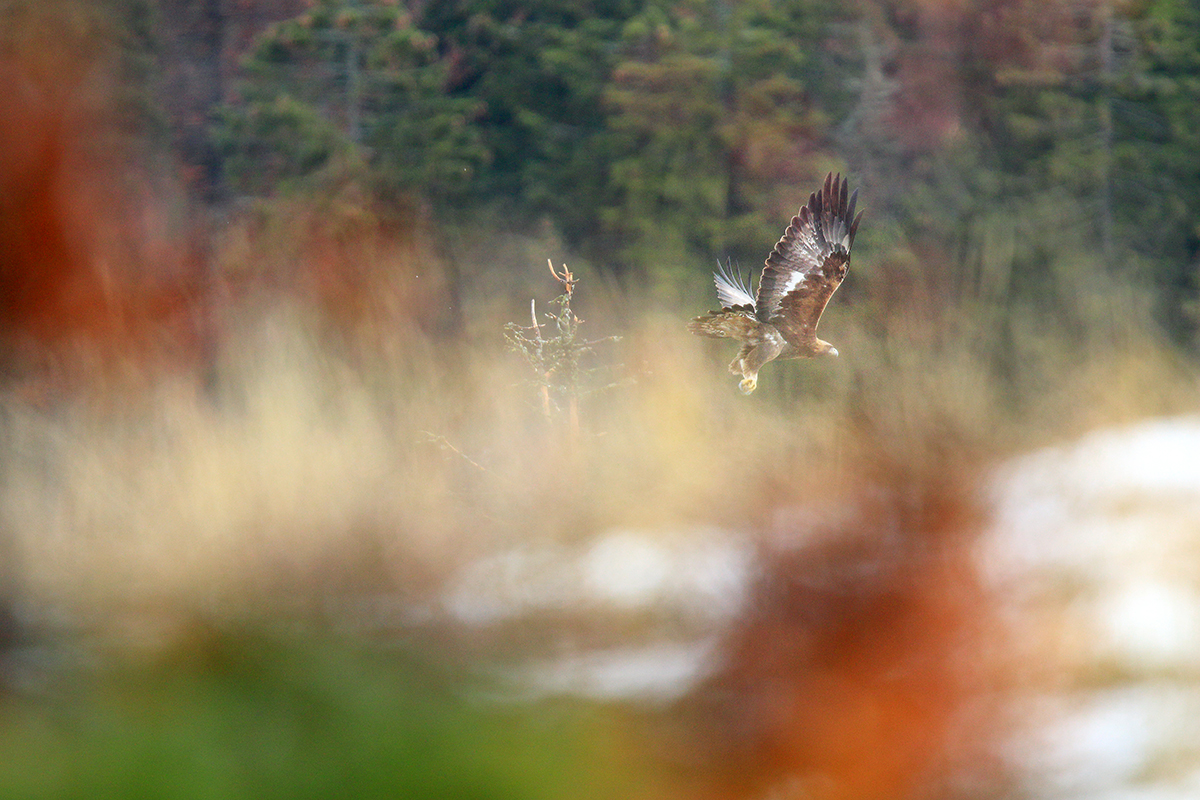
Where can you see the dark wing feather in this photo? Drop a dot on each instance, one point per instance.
(809, 262)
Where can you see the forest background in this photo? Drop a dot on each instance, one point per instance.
(1019, 159)
(997, 142)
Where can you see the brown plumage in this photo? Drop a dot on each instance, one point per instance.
(801, 274)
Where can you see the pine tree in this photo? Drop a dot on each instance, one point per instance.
(537, 72)
(350, 82)
(714, 124)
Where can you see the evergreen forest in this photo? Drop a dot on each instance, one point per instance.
(1010, 151)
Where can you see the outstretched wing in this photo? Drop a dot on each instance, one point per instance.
(809, 262)
(732, 289)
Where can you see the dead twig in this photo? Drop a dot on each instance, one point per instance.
(444, 443)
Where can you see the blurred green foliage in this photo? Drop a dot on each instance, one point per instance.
(245, 714)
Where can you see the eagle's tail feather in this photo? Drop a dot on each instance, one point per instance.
(732, 324)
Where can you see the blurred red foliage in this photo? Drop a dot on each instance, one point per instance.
(947, 61)
(863, 664)
(89, 270)
(110, 276)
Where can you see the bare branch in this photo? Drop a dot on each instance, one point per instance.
(444, 443)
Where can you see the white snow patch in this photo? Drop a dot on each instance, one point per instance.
(1150, 624)
(1094, 744)
(1116, 500)
(627, 570)
(703, 574)
(661, 672)
(1102, 536)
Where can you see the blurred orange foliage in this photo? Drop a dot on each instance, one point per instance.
(861, 666)
(89, 270)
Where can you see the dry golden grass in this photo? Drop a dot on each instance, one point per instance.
(346, 431)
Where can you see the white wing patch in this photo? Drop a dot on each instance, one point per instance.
(731, 291)
(793, 280)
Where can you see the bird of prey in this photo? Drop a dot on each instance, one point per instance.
(801, 274)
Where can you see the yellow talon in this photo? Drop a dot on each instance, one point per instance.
(748, 385)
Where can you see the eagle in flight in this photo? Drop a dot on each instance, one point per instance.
(801, 274)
